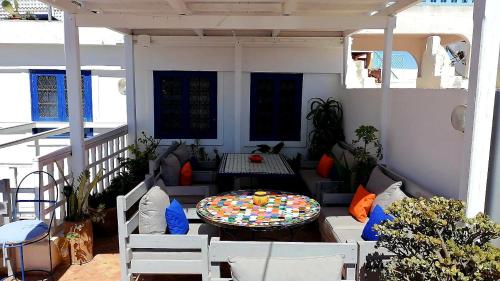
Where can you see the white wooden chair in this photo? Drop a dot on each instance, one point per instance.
(157, 253)
(222, 251)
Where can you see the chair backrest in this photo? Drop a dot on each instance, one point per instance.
(222, 251)
(39, 210)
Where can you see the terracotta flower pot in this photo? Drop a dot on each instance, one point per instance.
(80, 240)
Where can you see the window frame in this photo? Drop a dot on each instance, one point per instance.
(63, 115)
(276, 77)
(186, 133)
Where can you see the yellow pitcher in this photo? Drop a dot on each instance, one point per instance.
(260, 198)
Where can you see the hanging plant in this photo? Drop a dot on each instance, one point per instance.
(327, 117)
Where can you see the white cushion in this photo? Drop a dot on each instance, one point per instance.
(152, 211)
(320, 268)
(389, 196)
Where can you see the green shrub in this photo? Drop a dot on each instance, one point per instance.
(432, 239)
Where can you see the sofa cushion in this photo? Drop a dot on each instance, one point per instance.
(361, 204)
(177, 221)
(183, 153)
(339, 217)
(389, 196)
(152, 211)
(343, 156)
(344, 235)
(378, 216)
(324, 166)
(186, 174)
(310, 178)
(321, 268)
(170, 170)
(379, 182)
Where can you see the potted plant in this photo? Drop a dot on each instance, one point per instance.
(77, 223)
(103, 205)
(432, 239)
(367, 151)
(13, 10)
(327, 118)
(200, 158)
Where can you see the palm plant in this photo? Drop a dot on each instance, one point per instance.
(77, 196)
(327, 116)
(13, 10)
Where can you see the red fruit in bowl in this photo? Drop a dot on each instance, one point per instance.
(256, 158)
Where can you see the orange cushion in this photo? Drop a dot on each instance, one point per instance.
(186, 177)
(361, 204)
(325, 165)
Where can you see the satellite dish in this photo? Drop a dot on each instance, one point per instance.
(458, 118)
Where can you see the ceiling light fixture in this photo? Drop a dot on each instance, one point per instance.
(372, 13)
(389, 4)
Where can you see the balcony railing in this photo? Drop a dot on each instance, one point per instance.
(101, 153)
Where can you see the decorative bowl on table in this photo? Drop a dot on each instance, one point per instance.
(256, 158)
(260, 198)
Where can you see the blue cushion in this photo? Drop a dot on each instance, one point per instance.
(177, 221)
(377, 216)
(21, 231)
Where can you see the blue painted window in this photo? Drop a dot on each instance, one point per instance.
(275, 107)
(49, 98)
(185, 104)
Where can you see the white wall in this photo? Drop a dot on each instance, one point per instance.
(321, 65)
(423, 146)
(103, 61)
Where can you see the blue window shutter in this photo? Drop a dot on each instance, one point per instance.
(59, 76)
(173, 111)
(275, 107)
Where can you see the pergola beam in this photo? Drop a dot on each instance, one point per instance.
(179, 7)
(289, 7)
(232, 22)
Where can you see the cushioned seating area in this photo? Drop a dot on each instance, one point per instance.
(310, 178)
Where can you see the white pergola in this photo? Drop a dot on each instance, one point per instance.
(278, 19)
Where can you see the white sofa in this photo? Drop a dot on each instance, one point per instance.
(337, 225)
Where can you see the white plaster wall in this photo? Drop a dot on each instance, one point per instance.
(423, 146)
(321, 67)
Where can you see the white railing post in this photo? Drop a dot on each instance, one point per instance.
(74, 88)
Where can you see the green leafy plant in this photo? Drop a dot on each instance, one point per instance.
(199, 151)
(367, 150)
(77, 195)
(13, 10)
(266, 149)
(135, 168)
(326, 116)
(433, 240)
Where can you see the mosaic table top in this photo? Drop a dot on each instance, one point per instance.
(236, 209)
(240, 164)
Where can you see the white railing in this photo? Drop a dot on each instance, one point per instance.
(101, 153)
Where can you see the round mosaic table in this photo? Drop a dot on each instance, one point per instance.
(236, 210)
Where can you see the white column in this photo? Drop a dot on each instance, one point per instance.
(484, 60)
(237, 95)
(74, 88)
(347, 57)
(385, 111)
(130, 80)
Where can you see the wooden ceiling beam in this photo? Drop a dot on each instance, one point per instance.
(231, 22)
(179, 7)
